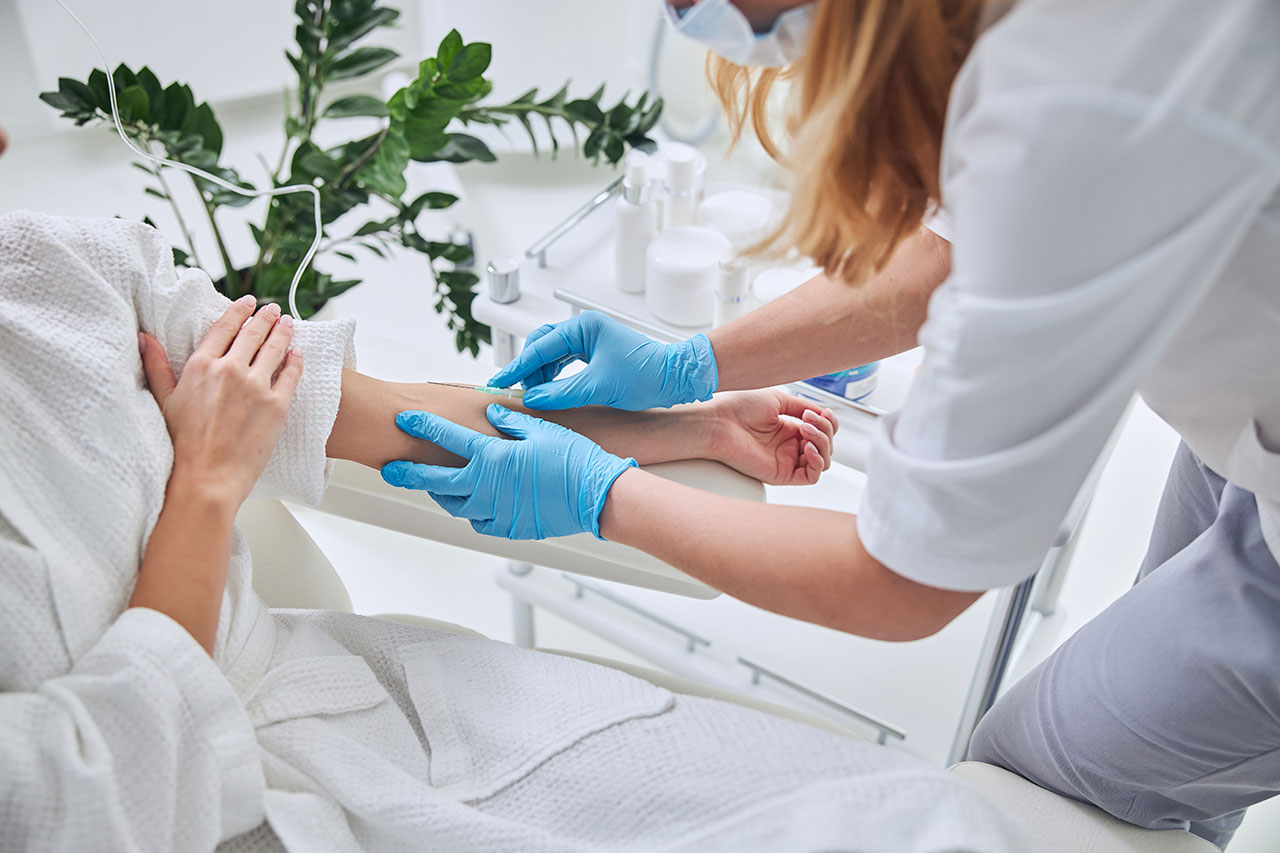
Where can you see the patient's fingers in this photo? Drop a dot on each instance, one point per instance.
(820, 438)
(155, 365)
(225, 328)
(813, 462)
(290, 375)
(821, 421)
(267, 362)
(250, 339)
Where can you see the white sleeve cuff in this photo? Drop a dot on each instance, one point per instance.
(940, 523)
(299, 469)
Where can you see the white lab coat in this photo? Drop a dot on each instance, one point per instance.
(1111, 172)
(342, 732)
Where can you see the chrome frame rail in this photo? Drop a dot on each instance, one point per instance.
(692, 640)
(538, 251)
(885, 729)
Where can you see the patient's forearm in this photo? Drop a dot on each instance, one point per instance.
(365, 430)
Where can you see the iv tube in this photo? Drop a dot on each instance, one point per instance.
(213, 179)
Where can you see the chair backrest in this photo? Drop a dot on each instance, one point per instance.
(289, 569)
(1061, 825)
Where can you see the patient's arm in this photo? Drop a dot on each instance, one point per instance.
(768, 435)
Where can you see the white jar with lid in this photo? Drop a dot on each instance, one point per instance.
(682, 273)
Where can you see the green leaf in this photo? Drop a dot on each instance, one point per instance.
(470, 62)
(59, 101)
(462, 148)
(449, 47)
(614, 148)
(457, 281)
(356, 105)
(595, 142)
(465, 91)
(133, 103)
(376, 227)
(528, 128)
(458, 253)
(433, 200)
(384, 172)
(201, 122)
(155, 192)
(101, 94)
(123, 78)
(155, 94)
(585, 110)
(348, 32)
(557, 100)
(77, 94)
(299, 66)
(360, 61)
(651, 116)
(178, 101)
(345, 255)
(311, 162)
(619, 116)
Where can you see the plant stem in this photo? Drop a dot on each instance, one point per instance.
(472, 113)
(182, 223)
(233, 288)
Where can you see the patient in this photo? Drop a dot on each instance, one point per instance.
(151, 701)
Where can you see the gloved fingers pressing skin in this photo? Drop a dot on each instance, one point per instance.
(515, 424)
(429, 478)
(569, 393)
(442, 432)
(555, 343)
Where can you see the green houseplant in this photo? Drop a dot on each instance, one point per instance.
(364, 176)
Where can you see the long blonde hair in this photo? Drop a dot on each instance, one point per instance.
(866, 129)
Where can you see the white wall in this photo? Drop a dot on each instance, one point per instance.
(226, 50)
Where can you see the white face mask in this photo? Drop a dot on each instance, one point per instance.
(721, 26)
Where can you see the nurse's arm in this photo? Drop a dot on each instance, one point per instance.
(805, 563)
(825, 325)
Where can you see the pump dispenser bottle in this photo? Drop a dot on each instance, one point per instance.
(636, 224)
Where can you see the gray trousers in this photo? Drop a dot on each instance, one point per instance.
(1165, 709)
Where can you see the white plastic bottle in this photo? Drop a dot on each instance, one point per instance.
(731, 291)
(685, 168)
(635, 224)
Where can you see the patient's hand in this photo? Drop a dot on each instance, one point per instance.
(775, 437)
(226, 413)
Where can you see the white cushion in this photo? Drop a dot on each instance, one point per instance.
(1062, 825)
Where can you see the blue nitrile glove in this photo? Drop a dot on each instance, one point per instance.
(625, 369)
(552, 482)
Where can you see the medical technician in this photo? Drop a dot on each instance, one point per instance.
(1110, 173)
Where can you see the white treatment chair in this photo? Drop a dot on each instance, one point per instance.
(291, 571)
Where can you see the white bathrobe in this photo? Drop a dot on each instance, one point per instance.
(326, 731)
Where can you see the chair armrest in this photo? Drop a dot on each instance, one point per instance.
(359, 493)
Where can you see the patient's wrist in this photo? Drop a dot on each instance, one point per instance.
(214, 498)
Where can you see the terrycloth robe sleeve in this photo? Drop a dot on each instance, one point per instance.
(178, 307)
(142, 745)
